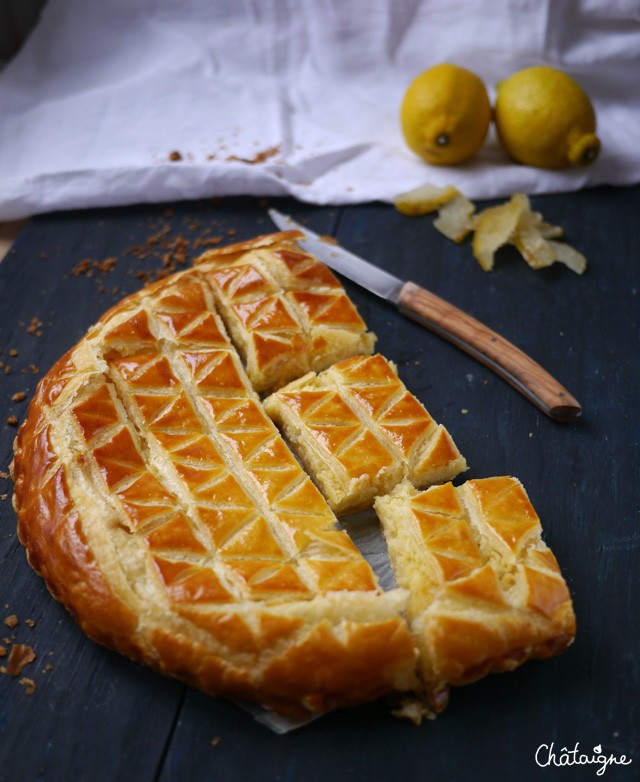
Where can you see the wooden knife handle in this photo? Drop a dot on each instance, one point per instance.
(491, 349)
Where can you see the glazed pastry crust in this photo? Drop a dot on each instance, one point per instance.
(359, 432)
(286, 312)
(486, 593)
(162, 507)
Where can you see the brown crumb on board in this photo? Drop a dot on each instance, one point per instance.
(19, 396)
(82, 267)
(87, 265)
(35, 327)
(11, 620)
(28, 684)
(211, 241)
(19, 657)
(106, 265)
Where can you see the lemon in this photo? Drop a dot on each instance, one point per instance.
(545, 119)
(445, 114)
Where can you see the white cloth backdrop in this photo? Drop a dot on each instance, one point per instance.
(299, 97)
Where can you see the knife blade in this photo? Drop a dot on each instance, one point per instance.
(445, 320)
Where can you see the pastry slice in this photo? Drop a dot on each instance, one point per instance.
(285, 311)
(486, 593)
(162, 507)
(359, 432)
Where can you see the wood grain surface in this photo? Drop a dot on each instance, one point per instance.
(93, 715)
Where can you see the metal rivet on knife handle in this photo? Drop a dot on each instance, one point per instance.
(491, 349)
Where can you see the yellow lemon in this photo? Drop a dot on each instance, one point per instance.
(445, 114)
(545, 119)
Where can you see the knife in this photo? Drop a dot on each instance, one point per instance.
(445, 320)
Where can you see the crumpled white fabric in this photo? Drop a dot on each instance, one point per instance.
(287, 97)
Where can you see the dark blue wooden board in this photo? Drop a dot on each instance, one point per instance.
(96, 716)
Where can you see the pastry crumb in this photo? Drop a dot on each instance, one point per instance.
(28, 684)
(21, 655)
(35, 327)
(414, 710)
(11, 620)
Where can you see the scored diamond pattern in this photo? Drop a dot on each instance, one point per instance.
(445, 533)
(485, 539)
(426, 448)
(487, 594)
(286, 312)
(294, 503)
(361, 432)
(216, 453)
(335, 425)
(239, 528)
(142, 497)
(163, 507)
(186, 533)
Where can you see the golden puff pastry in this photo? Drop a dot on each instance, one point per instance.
(162, 507)
(359, 432)
(286, 312)
(486, 593)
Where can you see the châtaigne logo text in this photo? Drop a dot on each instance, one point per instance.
(548, 756)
